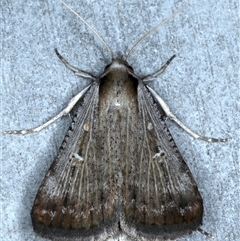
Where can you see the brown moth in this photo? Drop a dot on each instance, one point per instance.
(118, 168)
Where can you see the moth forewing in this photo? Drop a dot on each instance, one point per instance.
(128, 172)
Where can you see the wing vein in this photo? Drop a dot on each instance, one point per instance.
(150, 157)
(127, 154)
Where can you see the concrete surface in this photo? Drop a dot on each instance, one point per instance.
(201, 86)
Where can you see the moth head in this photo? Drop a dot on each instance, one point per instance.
(118, 63)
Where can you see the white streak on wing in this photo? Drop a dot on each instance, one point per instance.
(117, 104)
(78, 157)
(156, 156)
(149, 126)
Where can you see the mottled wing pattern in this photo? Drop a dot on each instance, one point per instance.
(73, 199)
(161, 199)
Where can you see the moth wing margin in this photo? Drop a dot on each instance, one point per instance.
(161, 200)
(69, 202)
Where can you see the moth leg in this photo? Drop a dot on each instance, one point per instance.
(161, 70)
(65, 111)
(209, 235)
(171, 116)
(76, 71)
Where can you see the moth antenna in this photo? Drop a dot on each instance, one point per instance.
(85, 22)
(156, 27)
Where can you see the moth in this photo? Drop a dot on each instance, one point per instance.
(118, 168)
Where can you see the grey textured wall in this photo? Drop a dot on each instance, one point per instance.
(201, 86)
